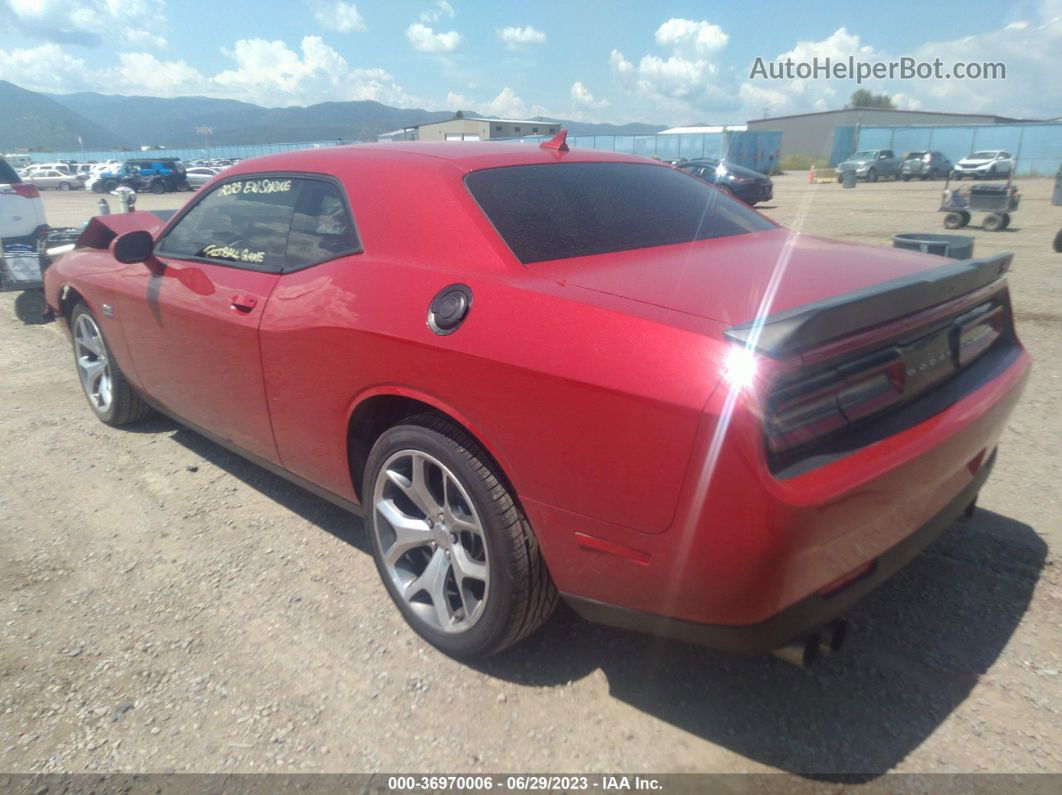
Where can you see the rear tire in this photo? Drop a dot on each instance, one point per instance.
(458, 508)
(1006, 221)
(64, 186)
(111, 397)
(110, 185)
(1058, 242)
(158, 186)
(993, 222)
(953, 221)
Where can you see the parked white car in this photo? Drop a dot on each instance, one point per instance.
(54, 178)
(21, 209)
(986, 164)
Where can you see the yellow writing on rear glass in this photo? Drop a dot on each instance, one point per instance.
(234, 254)
(255, 186)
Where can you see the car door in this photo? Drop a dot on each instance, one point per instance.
(191, 315)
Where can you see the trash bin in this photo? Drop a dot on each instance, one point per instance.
(1057, 198)
(954, 246)
(848, 178)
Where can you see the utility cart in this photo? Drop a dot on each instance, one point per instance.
(20, 271)
(998, 201)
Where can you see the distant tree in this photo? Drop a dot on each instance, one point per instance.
(863, 98)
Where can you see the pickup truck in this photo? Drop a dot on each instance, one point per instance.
(871, 164)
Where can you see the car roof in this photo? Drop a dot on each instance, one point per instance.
(464, 155)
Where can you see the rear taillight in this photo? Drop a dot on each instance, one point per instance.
(27, 190)
(818, 406)
(976, 331)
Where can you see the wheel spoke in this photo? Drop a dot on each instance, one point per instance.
(416, 488)
(420, 493)
(410, 532)
(465, 567)
(433, 582)
(92, 370)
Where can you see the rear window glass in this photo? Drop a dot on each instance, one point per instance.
(7, 174)
(548, 212)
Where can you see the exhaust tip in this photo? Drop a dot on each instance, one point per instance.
(801, 653)
(832, 637)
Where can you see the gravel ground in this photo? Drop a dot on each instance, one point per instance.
(166, 606)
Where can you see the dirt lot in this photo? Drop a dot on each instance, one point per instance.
(166, 606)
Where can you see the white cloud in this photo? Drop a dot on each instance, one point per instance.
(779, 97)
(688, 80)
(516, 38)
(337, 15)
(271, 73)
(506, 105)
(424, 39)
(438, 10)
(264, 72)
(91, 22)
(582, 98)
(44, 68)
(701, 37)
(1029, 48)
(147, 74)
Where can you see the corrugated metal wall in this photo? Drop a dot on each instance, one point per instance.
(757, 150)
(1038, 147)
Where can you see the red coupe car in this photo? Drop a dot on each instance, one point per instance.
(546, 374)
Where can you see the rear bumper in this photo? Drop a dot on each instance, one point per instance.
(799, 619)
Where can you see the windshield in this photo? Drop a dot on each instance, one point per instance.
(548, 212)
(916, 155)
(983, 155)
(863, 156)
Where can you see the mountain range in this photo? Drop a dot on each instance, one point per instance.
(43, 122)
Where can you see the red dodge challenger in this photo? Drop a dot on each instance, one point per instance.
(545, 374)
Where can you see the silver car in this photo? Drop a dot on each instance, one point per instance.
(54, 178)
(200, 175)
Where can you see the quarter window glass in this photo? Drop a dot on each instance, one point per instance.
(244, 222)
(321, 228)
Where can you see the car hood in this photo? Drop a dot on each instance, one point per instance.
(968, 162)
(729, 279)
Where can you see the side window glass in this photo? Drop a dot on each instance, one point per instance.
(321, 228)
(244, 222)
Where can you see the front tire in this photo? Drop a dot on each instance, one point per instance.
(111, 397)
(453, 547)
(1058, 242)
(872, 176)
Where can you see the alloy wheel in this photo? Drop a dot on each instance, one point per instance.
(93, 365)
(432, 541)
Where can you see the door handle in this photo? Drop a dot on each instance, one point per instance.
(244, 303)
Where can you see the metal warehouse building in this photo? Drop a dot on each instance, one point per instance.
(471, 128)
(812, 133)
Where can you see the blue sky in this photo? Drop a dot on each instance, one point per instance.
(669, 61)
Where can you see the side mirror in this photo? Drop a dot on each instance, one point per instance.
(133, 247)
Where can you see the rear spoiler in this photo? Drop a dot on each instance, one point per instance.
(793, 330)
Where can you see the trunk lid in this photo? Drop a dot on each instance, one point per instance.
(733, 279)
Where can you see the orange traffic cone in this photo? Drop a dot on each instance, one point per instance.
(811, 174)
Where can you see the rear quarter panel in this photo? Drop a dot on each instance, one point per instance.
(586, 401)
